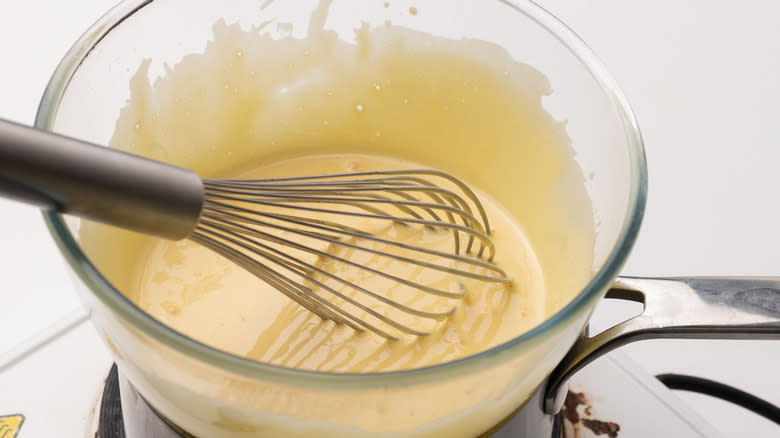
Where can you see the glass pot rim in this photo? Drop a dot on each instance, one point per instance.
(251, 369)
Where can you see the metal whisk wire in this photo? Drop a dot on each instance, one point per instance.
(244, 219)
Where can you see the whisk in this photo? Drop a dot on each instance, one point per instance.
(285, 231)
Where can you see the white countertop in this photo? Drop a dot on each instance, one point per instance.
(703, 77)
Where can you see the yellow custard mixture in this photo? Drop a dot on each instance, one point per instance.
(255, 106)
(208, 298)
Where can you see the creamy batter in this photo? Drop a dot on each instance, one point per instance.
(254, 106)
(208, 298)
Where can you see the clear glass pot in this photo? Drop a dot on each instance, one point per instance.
(210, 393)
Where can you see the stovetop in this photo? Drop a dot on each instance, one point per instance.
(611, 397)
(706, 95)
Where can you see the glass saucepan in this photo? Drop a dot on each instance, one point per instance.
(210, 393)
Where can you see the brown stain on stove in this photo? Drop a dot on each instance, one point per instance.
(570, 405)
(602, 427)
(571, 412)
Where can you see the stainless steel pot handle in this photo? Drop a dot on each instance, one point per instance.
(680, 308)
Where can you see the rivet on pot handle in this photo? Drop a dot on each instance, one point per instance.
(680, 308)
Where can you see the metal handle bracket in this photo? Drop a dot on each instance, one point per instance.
(679, 308)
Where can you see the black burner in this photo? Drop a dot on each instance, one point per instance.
(142, 418)
(149, 424)
(111, 423)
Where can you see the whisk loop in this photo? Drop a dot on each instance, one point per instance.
(286, 230)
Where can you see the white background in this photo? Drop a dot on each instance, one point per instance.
(703, 77)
